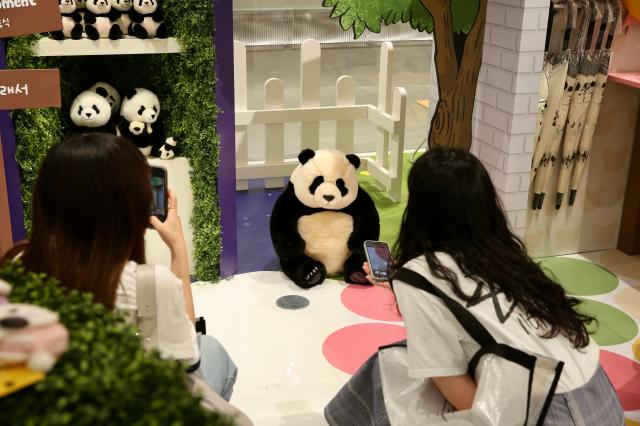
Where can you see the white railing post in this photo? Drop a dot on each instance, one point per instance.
(399, 113)
(274, 133)
(345, 95)
(384, 99)
(310, 91)
(240, 93)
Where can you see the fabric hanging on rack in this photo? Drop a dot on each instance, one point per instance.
(547, 151)
(586, 141)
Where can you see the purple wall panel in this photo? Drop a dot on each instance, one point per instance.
(223, 36)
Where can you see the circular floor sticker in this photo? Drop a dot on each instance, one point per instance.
(372, 302)
(613, 326)
(348, 348)
(624, 374)
(629, 300)
(579, 277)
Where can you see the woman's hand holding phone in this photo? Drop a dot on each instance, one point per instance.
(367, 270)
(171, 229)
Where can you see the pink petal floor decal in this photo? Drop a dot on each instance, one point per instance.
(348, 348)
(371, 302)
(624, 373)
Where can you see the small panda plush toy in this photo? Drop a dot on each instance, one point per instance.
(100, 20)
(147, 20)
(71, 21)
(123, 7)
(91, 112)
(320, 222)
(139, 123)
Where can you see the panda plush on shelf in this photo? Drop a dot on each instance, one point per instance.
(91, 112)
(123, 8)
(100, 20)
(71, 21)
(139, 123)
(147, 20)
(320, 222)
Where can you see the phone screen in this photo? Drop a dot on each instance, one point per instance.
(379, 257)
(159, 192)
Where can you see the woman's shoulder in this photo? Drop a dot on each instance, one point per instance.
(163, 276)
(419, 264)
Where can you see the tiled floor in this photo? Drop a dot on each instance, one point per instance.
(284, 378)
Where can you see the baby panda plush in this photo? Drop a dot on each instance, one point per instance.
(147, 20)
(71, 21)
(320, 222)
(100, 20)
(139, 123)
(123, 7)
(91, 112)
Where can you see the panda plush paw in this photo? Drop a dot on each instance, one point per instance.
(312, 273)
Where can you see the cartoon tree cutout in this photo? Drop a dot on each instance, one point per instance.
(458, 28)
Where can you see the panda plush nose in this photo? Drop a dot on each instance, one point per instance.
(153, 116)
(88, 114)
(328, 197)
(13, 322)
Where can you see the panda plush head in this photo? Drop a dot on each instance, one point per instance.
(89, 109)
(67, 6)
(326, 179)
(98, 6)
(145, 7)
(140, 105)
(109, 93)
(14, 317)
(122, 5)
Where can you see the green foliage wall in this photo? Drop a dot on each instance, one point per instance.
(105, 377)
(185, 84)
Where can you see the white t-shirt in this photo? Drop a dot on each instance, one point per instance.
(177, 338)
(437, 345)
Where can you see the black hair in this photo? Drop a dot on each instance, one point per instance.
(454, 208)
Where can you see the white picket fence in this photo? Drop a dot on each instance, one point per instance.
(389, 116)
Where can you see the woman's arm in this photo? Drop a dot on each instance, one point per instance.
(171, 233)
(458, 390)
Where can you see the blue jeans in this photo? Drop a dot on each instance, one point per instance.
(216, 366)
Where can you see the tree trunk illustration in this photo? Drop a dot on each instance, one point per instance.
(457, 58)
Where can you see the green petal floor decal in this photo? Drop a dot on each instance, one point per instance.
(579, 277)
(614, 327)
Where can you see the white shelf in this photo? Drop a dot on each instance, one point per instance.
(124, 46)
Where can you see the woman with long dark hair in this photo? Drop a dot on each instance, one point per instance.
(91, 205)
(455, 234)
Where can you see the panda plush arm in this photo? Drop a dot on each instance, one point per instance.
(136, 16)
(114, 15)
(157, 16)
(89, 17)
(287, 241)
(76, 16)
(366, 222)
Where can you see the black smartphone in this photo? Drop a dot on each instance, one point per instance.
(379, 258)
(159, 192)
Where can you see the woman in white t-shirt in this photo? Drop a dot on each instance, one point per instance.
(455, 234)
(91, 205)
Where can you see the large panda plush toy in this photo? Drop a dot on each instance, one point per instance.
(100, 20)
(139, 123)
(147, 20)
(91, 112)
(320, 222)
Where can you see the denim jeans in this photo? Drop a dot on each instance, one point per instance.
(216, 366)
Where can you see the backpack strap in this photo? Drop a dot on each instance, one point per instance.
(147, 306)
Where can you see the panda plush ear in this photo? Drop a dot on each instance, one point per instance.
(306, 155)
(354, 159)
(130, 93)
(102, 92)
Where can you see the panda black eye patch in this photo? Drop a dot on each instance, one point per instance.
(141, 110)
(80, 110)
(342, 187)
(95, 108)
(155, 109)
(315, 184)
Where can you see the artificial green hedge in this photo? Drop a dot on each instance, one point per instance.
(185, 84)
(105, 377)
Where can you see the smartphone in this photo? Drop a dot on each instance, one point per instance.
(159, 192)
(379, 258)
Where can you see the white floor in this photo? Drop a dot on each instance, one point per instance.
(283, 378)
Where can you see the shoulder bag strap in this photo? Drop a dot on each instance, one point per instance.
(147, 307)
(470, 323)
